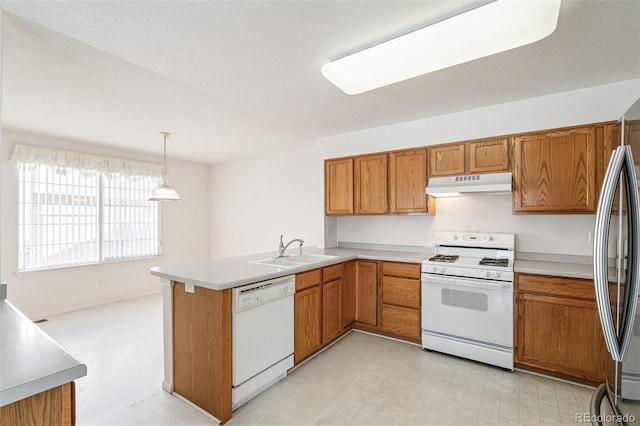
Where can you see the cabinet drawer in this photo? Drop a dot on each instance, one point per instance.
(308, 279)
(402, 321)
(557, 286)
(407, 270)
(330, 273)
(401, 291)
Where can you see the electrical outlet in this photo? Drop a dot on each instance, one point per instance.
(384, 231)
(189, 288)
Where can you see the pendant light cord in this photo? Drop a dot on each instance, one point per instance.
(164, 163)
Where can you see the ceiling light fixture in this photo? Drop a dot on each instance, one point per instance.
(493, 28)
(165, 192)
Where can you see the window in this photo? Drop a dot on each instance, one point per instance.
(72, 216)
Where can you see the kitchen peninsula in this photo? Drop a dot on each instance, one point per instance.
(197, 306)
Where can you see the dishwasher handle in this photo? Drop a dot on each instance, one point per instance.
(257, 294)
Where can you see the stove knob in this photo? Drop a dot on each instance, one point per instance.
(443, 269)
(487, 274)
(496, 274)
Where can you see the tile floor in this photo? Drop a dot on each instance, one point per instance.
(361, 380)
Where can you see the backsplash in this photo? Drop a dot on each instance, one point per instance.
(553, 234)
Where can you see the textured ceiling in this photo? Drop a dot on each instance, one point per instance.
(237, 78)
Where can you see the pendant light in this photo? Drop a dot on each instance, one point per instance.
(165, 192)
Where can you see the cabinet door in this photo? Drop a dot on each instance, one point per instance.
(446, 160)
(488, 156)
(401, 291)
(402, 321)
(407, 181)
(561, 335)
(338, 186)
(331, 306)
(308, 322)
(554, 172)
(366, 307)
(348, 294)
(371, 184)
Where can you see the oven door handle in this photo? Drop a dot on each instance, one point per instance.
(430, 279)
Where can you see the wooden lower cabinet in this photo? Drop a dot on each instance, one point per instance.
(401, 301)
(307, 314)
(53, 407)
(558, 328)
(202, 348)
(331, 307)
(366, 292)
(348, 295)
(402, 321)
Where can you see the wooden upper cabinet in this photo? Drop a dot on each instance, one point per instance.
(446, 160)
(407, 181)
(371, 184)
(633, 139)
(480, 156)
(555, 172)
(488, 156)
(338, 176)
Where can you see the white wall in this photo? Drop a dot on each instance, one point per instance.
(184, 235)
(255, 200)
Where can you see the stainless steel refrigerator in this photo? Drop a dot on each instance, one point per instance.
(616, 263)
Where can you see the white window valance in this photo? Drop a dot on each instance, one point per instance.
(84, 162)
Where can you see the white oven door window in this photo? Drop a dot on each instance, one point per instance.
(473, 309)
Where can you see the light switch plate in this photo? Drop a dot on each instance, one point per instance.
(189, 288)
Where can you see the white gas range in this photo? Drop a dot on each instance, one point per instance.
(467, 297)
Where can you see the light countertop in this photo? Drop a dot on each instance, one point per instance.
(30, 361)
(232, 272)
(560, 269)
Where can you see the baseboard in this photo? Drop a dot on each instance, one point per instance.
(46, 314)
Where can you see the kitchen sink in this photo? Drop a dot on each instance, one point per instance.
(280, 262)
(293, 261)
(310, 258)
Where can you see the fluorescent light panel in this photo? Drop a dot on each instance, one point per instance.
(486, 30)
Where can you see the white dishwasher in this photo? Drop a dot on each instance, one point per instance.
(262, 338)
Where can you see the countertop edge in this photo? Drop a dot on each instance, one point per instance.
(34, 387)
(48, 380)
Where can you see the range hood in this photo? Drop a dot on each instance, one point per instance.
(451, 186)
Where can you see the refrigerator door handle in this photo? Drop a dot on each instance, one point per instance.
(617, 339)
(632, 275)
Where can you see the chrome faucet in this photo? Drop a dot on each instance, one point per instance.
(282, 247)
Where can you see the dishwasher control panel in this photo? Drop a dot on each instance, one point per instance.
(257, 294)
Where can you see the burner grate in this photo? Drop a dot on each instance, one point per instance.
(488, 261)
(448, 258)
